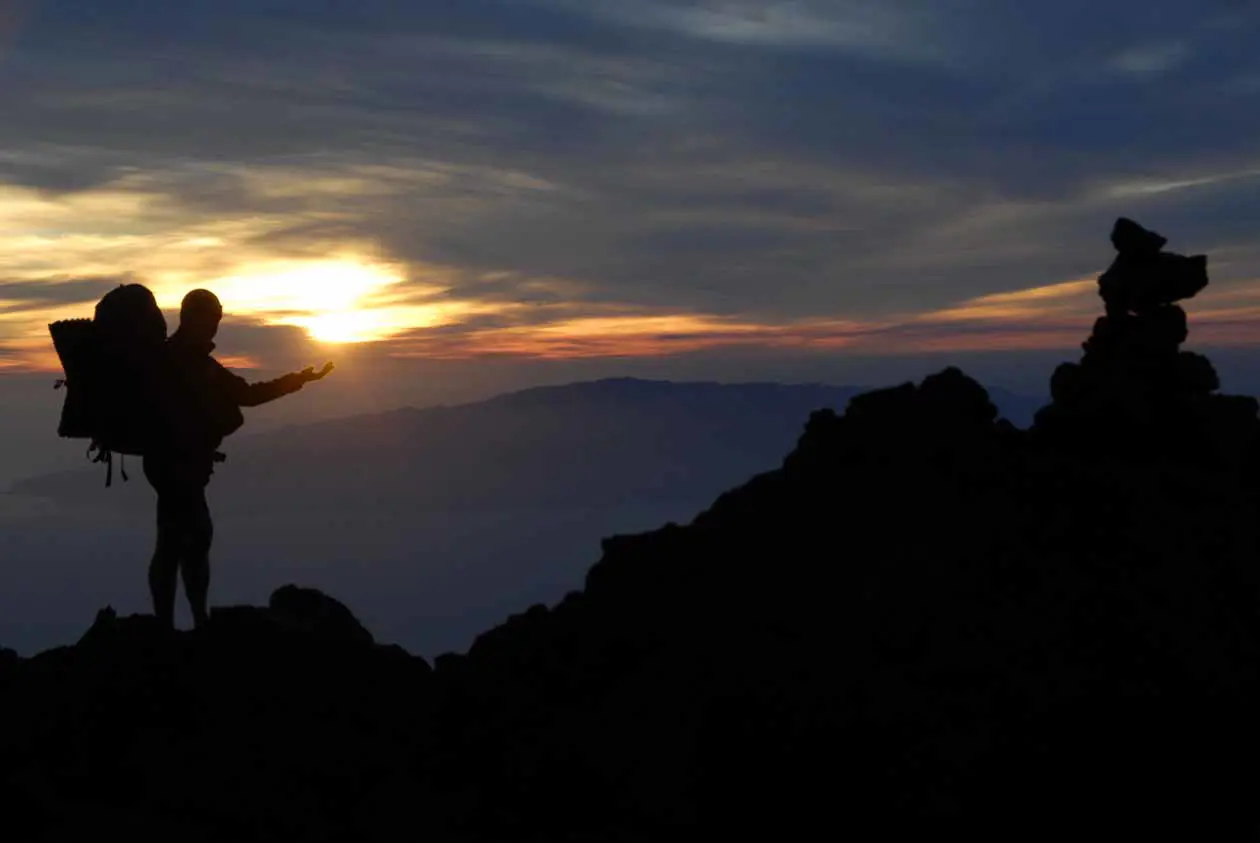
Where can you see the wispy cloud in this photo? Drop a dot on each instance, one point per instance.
(897, 32)
(1151, 59)
(545, 177)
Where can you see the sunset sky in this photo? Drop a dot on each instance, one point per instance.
(622, 179)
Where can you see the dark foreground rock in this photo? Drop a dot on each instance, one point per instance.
(925, 621)
(249, 730)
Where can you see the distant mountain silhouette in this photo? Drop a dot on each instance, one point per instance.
(592, 443)
(924, 621)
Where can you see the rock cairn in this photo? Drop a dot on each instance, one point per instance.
(1135, 388)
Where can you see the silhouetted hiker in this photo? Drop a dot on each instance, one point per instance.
(201, 404)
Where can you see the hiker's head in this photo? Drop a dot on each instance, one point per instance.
(199, 314)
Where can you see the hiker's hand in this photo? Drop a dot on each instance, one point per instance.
(309, 374)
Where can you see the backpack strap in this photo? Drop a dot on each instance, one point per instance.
(107, 456)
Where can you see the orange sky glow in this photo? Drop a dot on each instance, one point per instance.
(347, 292)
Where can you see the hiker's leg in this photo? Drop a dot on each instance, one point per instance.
(195, 562)
(164, 567)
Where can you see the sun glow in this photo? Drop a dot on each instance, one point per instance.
(348, 325)
(343, 327)
(336, 301)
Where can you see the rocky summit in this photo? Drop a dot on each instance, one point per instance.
(925, 620)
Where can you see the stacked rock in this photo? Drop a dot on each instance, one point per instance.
(1134, 388)
(1144, 279)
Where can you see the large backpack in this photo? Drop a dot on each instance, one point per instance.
(113, 366)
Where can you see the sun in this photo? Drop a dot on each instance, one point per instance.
(336, 301)
(346, 326)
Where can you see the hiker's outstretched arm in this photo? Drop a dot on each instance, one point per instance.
(253, 394)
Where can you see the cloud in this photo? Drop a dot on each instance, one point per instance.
(1151, 59)
(26, 296)
(897, 32)
(251, 344)
(1052, 317)
(762, 172)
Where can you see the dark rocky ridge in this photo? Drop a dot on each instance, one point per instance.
(925, 620)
